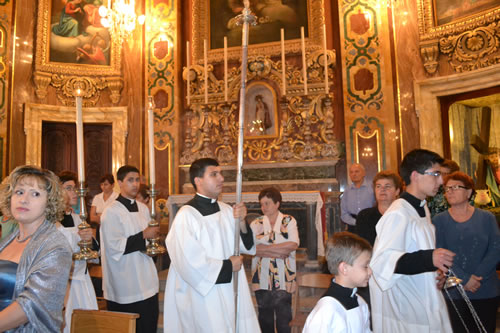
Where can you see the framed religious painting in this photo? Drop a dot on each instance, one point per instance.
(439, 18)
(447, 11)
(261, 116)
(71, 39)
(215, 19)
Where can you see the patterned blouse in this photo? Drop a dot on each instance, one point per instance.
(274, 273)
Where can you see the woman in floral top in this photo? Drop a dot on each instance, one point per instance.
(273, 267)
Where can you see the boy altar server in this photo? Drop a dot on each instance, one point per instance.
(199, 294)
(341, 309)
(129, 276)
(403, 292)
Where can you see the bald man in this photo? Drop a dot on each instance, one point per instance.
(357, 196)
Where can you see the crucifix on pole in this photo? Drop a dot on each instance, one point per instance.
(481, 144)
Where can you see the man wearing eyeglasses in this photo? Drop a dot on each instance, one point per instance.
(403, 291)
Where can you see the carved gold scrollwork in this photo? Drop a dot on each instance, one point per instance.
(305, 122)
(473, 49)
(42, 81)
(430, 52)
(66, 86)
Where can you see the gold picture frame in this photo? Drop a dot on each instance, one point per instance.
(430, 30)
(44, 44)
(202, 30)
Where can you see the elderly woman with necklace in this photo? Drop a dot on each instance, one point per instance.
(472, 234)
(35, 260)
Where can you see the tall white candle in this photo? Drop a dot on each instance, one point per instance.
(283, 64)
(327, 89)
(188, 64)
(205, 56)
(304, 68)
(79, 137)
(152, 174)
(225, 69)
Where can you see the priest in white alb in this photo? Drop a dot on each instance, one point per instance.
(199, 295)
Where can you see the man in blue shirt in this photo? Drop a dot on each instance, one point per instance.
(359, 195)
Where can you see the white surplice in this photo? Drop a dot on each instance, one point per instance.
(404, 303)
(197, 246)
(132, 277)
(80, 294)
(330, 316)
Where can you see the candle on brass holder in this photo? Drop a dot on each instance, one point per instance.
(86, 252)
(153, 247)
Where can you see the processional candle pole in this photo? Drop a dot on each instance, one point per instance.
(86, 252)
(154, 247)
(244, 19)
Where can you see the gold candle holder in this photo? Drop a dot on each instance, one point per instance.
(86, 252)
(154, 248)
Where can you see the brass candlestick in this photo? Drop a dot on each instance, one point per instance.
(205, 151)
(285, 152)
(86, 252)
(309, 150)
(154, 247)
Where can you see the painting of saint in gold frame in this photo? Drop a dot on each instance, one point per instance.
(261, 111)
(215, 19)
(71, 38)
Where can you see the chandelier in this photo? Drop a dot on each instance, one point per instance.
(120, 18)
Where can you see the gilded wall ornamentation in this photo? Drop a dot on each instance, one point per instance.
(470, 41)
(473, 49)
(161, 41)
(304, 123)
(6, 8)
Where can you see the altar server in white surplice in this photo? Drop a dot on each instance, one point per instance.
(199, 294)
(80, 294)
(129, 277)
(404, 295)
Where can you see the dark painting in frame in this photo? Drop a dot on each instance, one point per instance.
(447, 11)
(214, 19)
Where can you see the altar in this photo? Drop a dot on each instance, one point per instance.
(305, 206)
